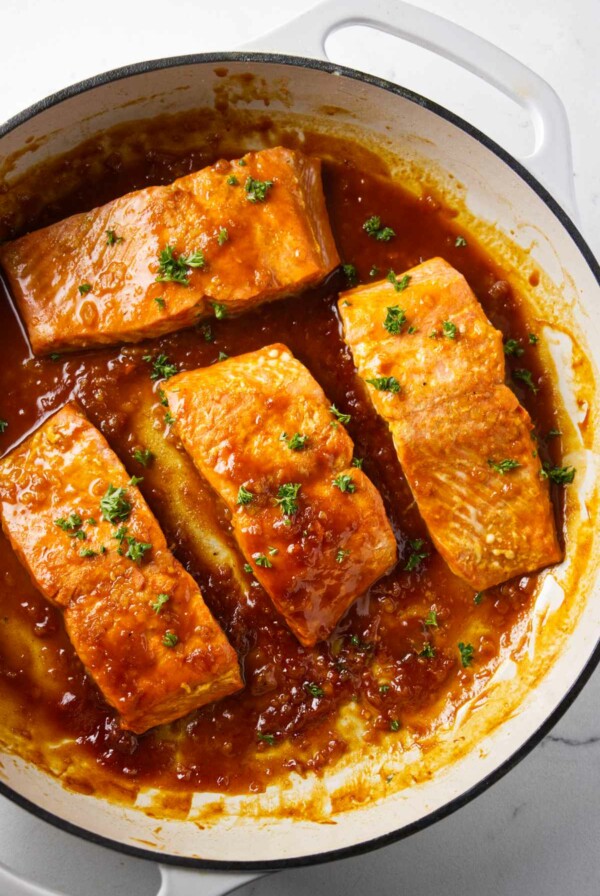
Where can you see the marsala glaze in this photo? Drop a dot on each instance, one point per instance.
(373, 658)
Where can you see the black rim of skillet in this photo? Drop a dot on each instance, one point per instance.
(525, 748)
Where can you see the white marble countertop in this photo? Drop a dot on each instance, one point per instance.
(536, 831)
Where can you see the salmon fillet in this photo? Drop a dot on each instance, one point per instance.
(434, 368)
(136, 619)
(252, 230)
(312, 527)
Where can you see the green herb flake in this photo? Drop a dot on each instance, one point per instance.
(449, 329)
(526, 377)
(399, 285)
(170, 639)
(266, 738)
(222, 236)
(160, 302)
(136, 549)
(232, 180)
(143, 456)
(84, 288)
(162, 369)
(135, 480)
(431, 619)
(428, 651)
(341, 555)
(343, 418)
(411, 330)
(560, 475)
(384, 688)
(478, 598)
(120, 534)
(160, 601)
(287, 497)
(358, 462)
(395, 319)
(68, 524)
(385, 384)
(394, 725)
(248, 568)
(373, 228)
(513, 347)
(163, 398)
(55, 356)
(114, 504)
(91, 521)
(351, 274)
(169, 418)
(244, 496)
(242, 163)
(533, 339)
(256, 190)
(296, 443)
(220, 310)
(313, 689)
(417, 554)
(273, 551)
(345, 483)
(262, 560)
(112, 238)
(175, 268)
(553, 434)
(79, 534)
(466, 654)
(460, 242)
(207, 333)
(222, 356)
(503, 466)
(374, 271)
(87, 552)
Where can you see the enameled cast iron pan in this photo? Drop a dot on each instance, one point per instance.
(534, 195)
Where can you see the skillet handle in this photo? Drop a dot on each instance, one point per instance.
(189, 882)
(551, 161)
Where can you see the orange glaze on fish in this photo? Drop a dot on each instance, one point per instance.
(259, 426)
(92, 278)
(455, 424)
(153, 665)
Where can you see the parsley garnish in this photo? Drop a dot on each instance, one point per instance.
(351, 274)
(69, 523)
(428, 651)
(222, 356)
(232, 180)
(411, 330)
(112, 238)
(417, 554)
(296, 443)
(262, 560)
(143, 456)
(222, 236)
(533, 339)
(162, 368)
(478, 598)
(244, 496)
(385, 384)
(266, 738)
(273, 551)
(3, 425)
(120, 534)
(208, 333)
(55, 356)
(136, 549)
(395, 319)
(560, 475)
(114, 504)
(169, 418)
(248, 568)
(357, 462)
(242, 162)
(553, 433)
(313, 689)
(343, 418)
(373, 227)
(374, 271)
(286, 498)
(175, 269)
(84, 288)
(460, 241)
(256, 190)
(466, 654)
(341, 555)
(384, 688)
(431, 619)
(160, 301)
(135, 480)
(450, 329)
(87, 552)
(170, 639)
(394, 725)
(525, 377)
(503, 466)
(220, 310)
(344, 482)
(512, 347)
(160, 601)
(399, 285)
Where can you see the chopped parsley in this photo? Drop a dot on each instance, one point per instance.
(343, 418)
(222, 236)
(273, 551)
(399, 285)
(395, 319)
(87, 552)
(357, 462)
(248, 568)
(242, 162)
(341, 555)
(160, 302)
(449, 329)
(417, 554)
(460, 241)
(232, 180)
(69, 523)
(525, 377)
(411, 330)
(533, 339)
(374, 271)
(286, 498)
(256, 190)
(120, 535)
(513, 347)
(313, 689)
(163, 398)
(143, 456)
(351, 274)
(175, 269)
(384, 688)
(55, 356)
(222, 356)
(560, 475)
(114, 504)
(296, 443)
(478, 598)
(170, 639)
(373, 227)
(136, 549)
(169, 418)
(262, 560)
(135, 480)
(385, 384)
(431, 619)
(466, 654)
(345, 483)
(162, 368)
(160, 601)
(503, 466)
(394, 725)
(84, 288)
(3, 425)
(428, 651)
(244, 496)
(220, 310)
(266, 738)
(553, 433)
(207, 333)
(112, 238)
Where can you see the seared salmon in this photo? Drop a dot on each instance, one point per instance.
(216, 242)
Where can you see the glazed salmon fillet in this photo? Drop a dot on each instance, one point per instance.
(219, 241)
(434, 367)
(311, 526)
(136, 619)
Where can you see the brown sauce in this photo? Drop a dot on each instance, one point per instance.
(374, 657)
